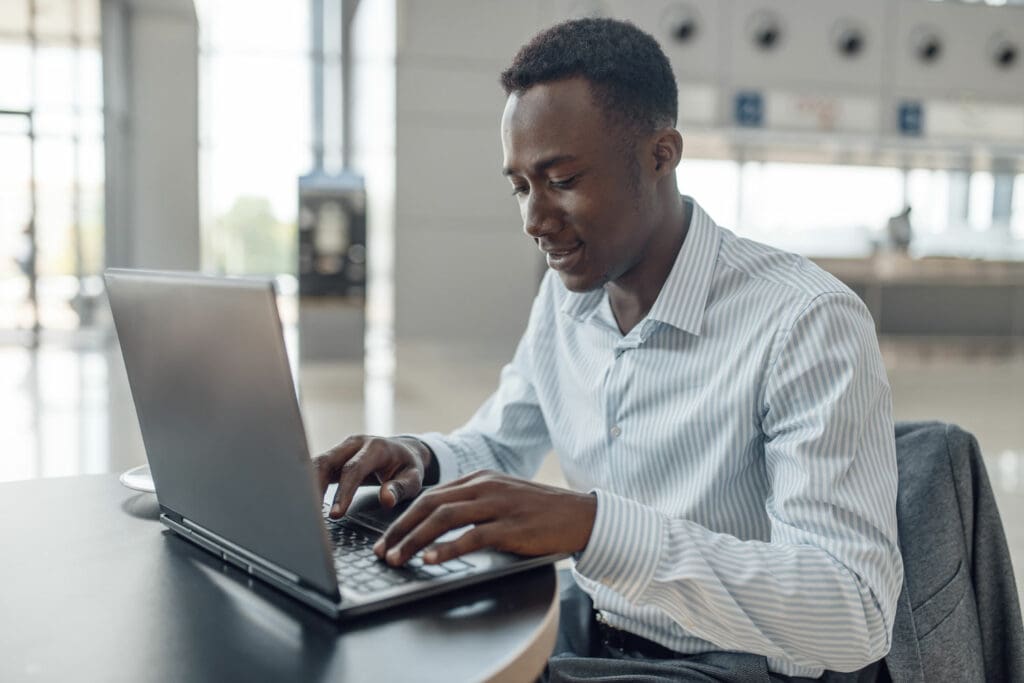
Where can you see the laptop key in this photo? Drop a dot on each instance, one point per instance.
(434, 570)
(359, 568)
(457, 565)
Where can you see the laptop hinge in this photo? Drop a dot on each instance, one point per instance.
(267, 571)
(241, 556)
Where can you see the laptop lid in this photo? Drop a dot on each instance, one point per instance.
(210, 378)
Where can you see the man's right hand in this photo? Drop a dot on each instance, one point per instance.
(399, 464)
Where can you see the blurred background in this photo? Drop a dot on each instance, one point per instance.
(350, 150)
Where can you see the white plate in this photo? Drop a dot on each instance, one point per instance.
(139, 479)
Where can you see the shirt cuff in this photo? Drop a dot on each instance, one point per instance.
(625, 545)
(448, 466)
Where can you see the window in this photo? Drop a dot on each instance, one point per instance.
(51, 135)
(842, 210)
(255, 132)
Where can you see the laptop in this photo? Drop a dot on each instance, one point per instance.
(220, 421)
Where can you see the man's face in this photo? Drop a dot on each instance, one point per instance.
(580, 187)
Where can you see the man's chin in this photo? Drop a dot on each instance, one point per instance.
(580, 283)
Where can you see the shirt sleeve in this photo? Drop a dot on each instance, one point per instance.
(822, 591)
(508, 433)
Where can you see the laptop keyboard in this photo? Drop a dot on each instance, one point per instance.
(359, 569)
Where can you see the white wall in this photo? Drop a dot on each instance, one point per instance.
(464, 271)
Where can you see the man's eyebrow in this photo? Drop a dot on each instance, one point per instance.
(543, 164)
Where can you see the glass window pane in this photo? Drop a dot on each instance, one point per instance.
(15, 207)
(255, 132)
(54, 74)
(258, 98)
(275, 178)
(55, 122)
(91, 208)
(819, 210)
(90, 78)
(979, 205)
(62, 84)
(90, 124)
(252, 211)
(1017, 214)
(236, 26)
(16, 61)
(90, 163)
(54, 233)
(13, 124)
(54, 219)
(91, 203)
(54, 165)
(715, 186)
(928, 196)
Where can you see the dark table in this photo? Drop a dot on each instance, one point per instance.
(93, 589)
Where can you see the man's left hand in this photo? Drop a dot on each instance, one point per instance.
(509, 513)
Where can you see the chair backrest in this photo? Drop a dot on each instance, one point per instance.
(958, 615)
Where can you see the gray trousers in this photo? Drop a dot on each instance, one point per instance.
(582, 653)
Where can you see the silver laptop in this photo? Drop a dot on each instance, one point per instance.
(224, 437)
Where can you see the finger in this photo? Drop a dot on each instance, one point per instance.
(474, 476)
(352, 473)
(442, 520)
(404, 485)
(479, 537)
(328, 464)
(417, 512)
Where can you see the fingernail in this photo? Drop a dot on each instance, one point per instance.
(394, 493)
(336, 510)
(430, 556)
(392, 555)
(378, 546)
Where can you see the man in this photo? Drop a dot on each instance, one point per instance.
(719, 408)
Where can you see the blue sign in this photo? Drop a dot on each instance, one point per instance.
(911, 118)
(749, 109)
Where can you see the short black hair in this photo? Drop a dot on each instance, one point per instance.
(630, 77)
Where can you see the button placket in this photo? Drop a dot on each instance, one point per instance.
(614, 388)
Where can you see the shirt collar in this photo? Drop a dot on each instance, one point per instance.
(684, 295)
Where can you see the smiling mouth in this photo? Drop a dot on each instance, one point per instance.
(563, 259)
(558, 253)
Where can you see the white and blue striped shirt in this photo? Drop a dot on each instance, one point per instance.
(740, 443)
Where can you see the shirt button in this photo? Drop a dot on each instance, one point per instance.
(616, 432)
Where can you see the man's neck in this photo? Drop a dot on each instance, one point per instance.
(632, 296)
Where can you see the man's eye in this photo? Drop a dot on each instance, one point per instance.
(565, 184)
(518, 190)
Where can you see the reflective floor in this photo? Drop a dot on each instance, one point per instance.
(67, 411)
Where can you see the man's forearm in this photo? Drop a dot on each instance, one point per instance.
(794, 602)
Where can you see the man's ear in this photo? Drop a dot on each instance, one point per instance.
(666, 150)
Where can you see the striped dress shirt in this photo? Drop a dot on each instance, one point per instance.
(739, 441)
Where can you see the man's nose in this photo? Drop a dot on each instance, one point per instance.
(539, 217)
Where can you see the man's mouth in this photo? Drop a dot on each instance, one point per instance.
(563, 258)
(561, 251)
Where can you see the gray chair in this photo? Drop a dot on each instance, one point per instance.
(958, 616)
